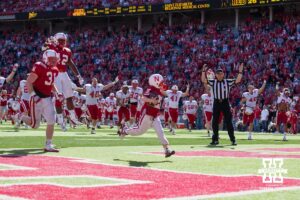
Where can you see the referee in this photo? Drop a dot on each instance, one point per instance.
(221, 90)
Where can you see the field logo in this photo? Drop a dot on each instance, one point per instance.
(272, 171)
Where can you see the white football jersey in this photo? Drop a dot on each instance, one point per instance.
(251, 98)
(124, 98)
(140, 104)
(2, 81)
(174, 98)
(135, 94)
(101, 103)
(283, 99)
(24, 90)
(110, 104)
(93, 93)
(208, 102)
(191, 107)
(166, 104)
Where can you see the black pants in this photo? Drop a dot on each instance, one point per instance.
(222, 106)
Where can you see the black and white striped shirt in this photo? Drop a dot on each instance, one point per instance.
(221, 89)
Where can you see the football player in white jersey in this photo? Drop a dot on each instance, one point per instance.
(165, 106)
(135, 94)
(93, 92)
(123, 96)
(283, 106)
(250, 98)
(174, 96)
(207, 102)
(24, 96)
(110, 107)
(100, 105)
(190, 108)
(3, 81)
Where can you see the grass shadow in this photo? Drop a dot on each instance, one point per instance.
(134, 163)
(20, 152)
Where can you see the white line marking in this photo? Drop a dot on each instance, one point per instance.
(233, 194)
(15, 167)
(120, 181)
(6, 197)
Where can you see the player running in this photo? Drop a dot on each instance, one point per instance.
(150, 114)
(24, 96)
(40, 84)
(110, 106)
(123, 96)
(190, 109)
(250, 99)
(208, 101)
(283, 105)
(135, 94)
(3, 97)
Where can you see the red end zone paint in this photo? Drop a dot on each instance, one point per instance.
(228, 153)
(281, 149)
(164, 184)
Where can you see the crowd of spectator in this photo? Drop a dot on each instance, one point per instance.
(177, 52)
(16, 6)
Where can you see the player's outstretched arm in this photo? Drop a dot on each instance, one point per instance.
(240, 75)
(150, 100)
(75, 70)
(203, 75)
(111, 84)
(262, 87)
(12, 73)
(81, 90)
(277, 89)
(187, 91)
(19, 92)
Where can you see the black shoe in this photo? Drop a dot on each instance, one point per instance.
(214, 143)
(233, 143)
(169, 153)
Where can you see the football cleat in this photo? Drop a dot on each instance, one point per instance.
(121, 132)
(50, 148)
(93, 131)
(284, 139)
(214, 143)
(169, 153)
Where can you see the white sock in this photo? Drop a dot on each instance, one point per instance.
(72, 115)
(60, 119)
(48, 142)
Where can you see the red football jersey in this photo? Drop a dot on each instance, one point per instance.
(64, 54)
(46, 75)
(152, 110)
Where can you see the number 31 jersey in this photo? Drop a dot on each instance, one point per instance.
(46, 76)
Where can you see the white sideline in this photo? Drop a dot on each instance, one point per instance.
(5, 197)
(233, 194)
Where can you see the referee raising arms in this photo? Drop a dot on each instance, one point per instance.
(221, 90)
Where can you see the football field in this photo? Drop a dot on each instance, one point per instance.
(102, 166)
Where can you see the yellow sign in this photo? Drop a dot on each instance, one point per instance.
(32, 15)
(79, 12)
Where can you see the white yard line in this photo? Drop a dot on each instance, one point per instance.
(233, 194)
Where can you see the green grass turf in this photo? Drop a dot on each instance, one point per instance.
(106, 147)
